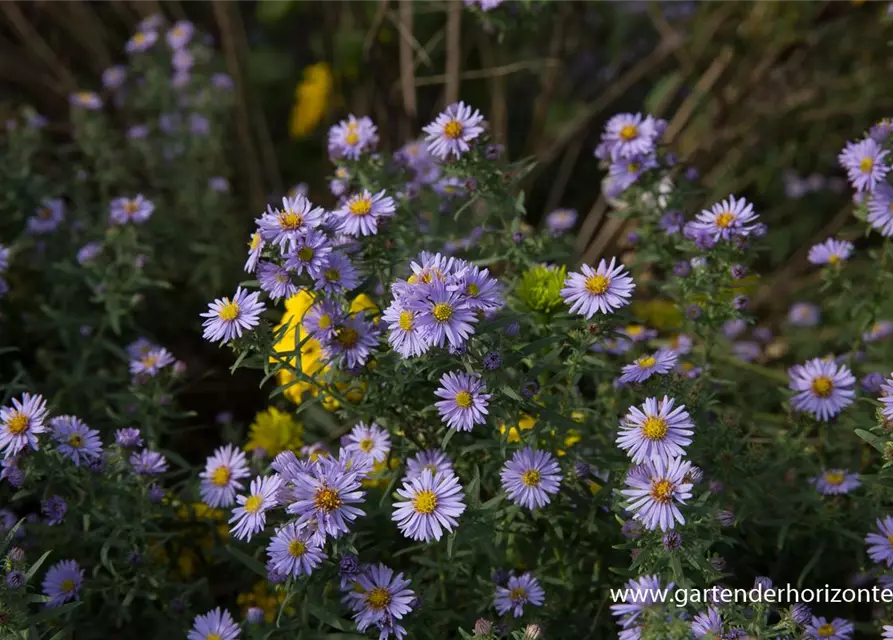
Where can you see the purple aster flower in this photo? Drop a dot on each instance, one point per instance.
(880, 545)
(4, 258)
(864, 162)
(823, 388)
(465, 400)
(804, 314)
(218, 184)
(85, 100)
(114, 77)
(148, 463)
(222, 81)
(88, 252)
(707, 624)
(182, 61)
(76, 441)
(659, 429)
(746, 350)
(639, 594)
(880, 209)
(255, 247)
(879, 330)
(250, 516)
(737, 271)
(199, 125)
(141, 41)
(625, 171)
(433, 460)
(138, 132)
(371, 441)
(361, 212)
(62, 582)
(325, 497)
(561, 221)
(286, 226)
(128, 438)
(530, 477)
(309, 254)
(656, 490)
(15, 579)
(672, 540)
(152, 362)
(20, 424)
(443, 315)
(480, 291)
(801, 613)
(405, 334)
(601, 290)
(430, 506)
(293, 552)
(47, 217)
(136, 210)
(337, 274)
(226, 319)
(12, 473)
(217, 624)
(830, 251)
(739, 303)
(323, 319)
(353, 341)
(671, 222)
(872, 383)
(660, 362)
(352, 137)
(453, 130)
(680, 344)
(627, 135)
(881, 131)
(276, 281)
(728, 219)
(519, 591)
(631, 529)
(54, 509)
(638, 333)
(492, 361)
(349, 570)
(836, 482)
(380, 597)
(821, 629)
(180, 34)
(731, 329)
(221, 478)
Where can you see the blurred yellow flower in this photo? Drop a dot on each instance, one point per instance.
(312, 97)
(660, 314)
(525, 423)
(379, 477)
(275, 431)
(264, 597)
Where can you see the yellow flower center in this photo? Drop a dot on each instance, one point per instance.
(647, 362)
(221, 476)
(662, 491)
(290, 220)
(634, 330)
(305, 254)
(597, 284)
(326, 500)
(834, 477)
(348, 337)
(655, 428)
(254, 503)
(442, 312)
(139, 38)
(464, 399)
(332, 275)
(833, 258)
(405, 321)
(360, 207)
(378, 598)
(725, 219)
(352, 138)
(149, 361)
(75, 440)
(518, 593)
(822, 386)
(366, 445)
(230, 310)
(296, 548)
(18, 424)
(45, 213)
(890, 539)
(632, 167)
(131, 207)
(425, 502)
(531, 478)
(826, 630)
(866, 165)
(67, 585)
(629, 132)
(472, 290)
(255, 242)
(432, 468)
(325, 321)
(453, 129)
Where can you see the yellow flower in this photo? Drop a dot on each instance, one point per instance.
(594, 487)
(312, 97)
(578, 416)
(265, 598)
(524, 424)
(364, 303)
(186, 563)
(379, 476)
(275, 431)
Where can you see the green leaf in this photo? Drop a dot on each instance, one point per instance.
(325, 616)
(270, 11)
(451, 540)
(248, 561)
(493, 502)
(871, 439)
(36, 566)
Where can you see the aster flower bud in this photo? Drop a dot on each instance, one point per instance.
(483, 627)
(532, 632)
(682, 268)
(512, 329)
(254, 615)
(725, 518)
(16, 555)
(582, 470)
(672, 540)
(15, 579)
(718, 562)
(800, 613)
